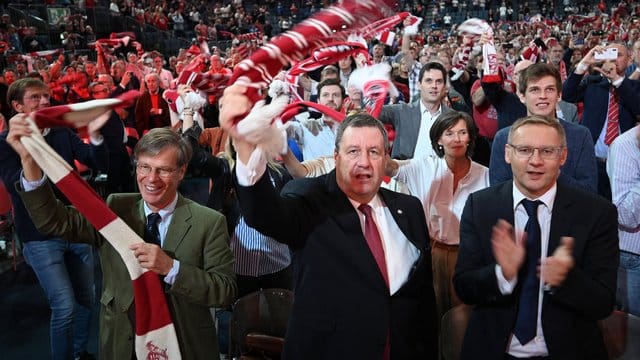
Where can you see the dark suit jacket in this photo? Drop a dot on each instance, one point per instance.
(146, 121)
(510, 108)
(580, 169)
(405, 119)
(197, 236)
(342, 307)
(569, 313)
(68, 145)
(593, 90)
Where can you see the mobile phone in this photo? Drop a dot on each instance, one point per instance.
(578, 41)
(607, 54)
(598, 33)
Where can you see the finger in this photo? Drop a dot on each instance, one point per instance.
(567, 242)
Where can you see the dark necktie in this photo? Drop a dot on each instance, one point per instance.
(374, 241)
(151, 232)
(526, 322)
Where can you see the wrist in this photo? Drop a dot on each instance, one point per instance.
(581, 68)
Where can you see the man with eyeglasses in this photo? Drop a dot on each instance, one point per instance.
(538, 257)
(64, 270)
(540, 89)
(186, 244)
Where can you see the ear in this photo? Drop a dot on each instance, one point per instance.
(563, 156)
(520, 96)
(18, 107)
(507, 157)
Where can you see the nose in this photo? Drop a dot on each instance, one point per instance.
(535, 157)
(364, 160)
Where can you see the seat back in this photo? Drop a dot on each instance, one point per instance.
(453, 326)
(621, 332)
(259, 322)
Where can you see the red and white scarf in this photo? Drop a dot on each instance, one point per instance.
(155, 334)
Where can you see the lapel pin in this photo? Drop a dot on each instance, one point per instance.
(400, 211)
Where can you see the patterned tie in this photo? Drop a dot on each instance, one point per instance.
(374, 241)
(612, 117)
(526, 322)
(151, 232)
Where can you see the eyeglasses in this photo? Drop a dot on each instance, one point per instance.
(547, 152)
(144, 170)
(99, 91)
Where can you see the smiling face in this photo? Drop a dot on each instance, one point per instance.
(360, 162)
(455, 140)
(533, 175)
(160, 186)
(541, 96)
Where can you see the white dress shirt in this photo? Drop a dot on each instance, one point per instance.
(430, 180)
(537, 346)
(423, 145)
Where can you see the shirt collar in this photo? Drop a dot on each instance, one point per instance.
(168, 210)
(375, 203)
(424, 109)
(547, 198)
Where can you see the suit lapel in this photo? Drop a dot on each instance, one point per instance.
(399, 215)
(180, 225)
(138, 219)
(347, 219)
(559, 221)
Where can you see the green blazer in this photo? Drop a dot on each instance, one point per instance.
(197, 237)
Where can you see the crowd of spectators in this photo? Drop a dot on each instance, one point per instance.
(563, 39)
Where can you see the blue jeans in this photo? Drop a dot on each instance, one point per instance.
(65, 272)
(628, 296)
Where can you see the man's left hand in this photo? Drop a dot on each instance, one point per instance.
(556, 267)
(152, 257)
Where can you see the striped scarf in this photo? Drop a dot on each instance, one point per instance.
(155, 334)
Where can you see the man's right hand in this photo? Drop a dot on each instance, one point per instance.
(19, 127)
(509, 251)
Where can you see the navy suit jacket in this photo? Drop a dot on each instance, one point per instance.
(342, 307)
(569, 312)
(593, 90)
(580, 169)
(510, 108)
(68, 145)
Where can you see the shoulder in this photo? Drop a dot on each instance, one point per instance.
(123, 198)
(574, 130)
(305, 187)
(590, 202)
(502, 135)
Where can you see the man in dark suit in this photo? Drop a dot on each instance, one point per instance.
(189, 249)
(538, 258)
(363, 281)
(602, 94)
(412, 122)
(539, 88)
